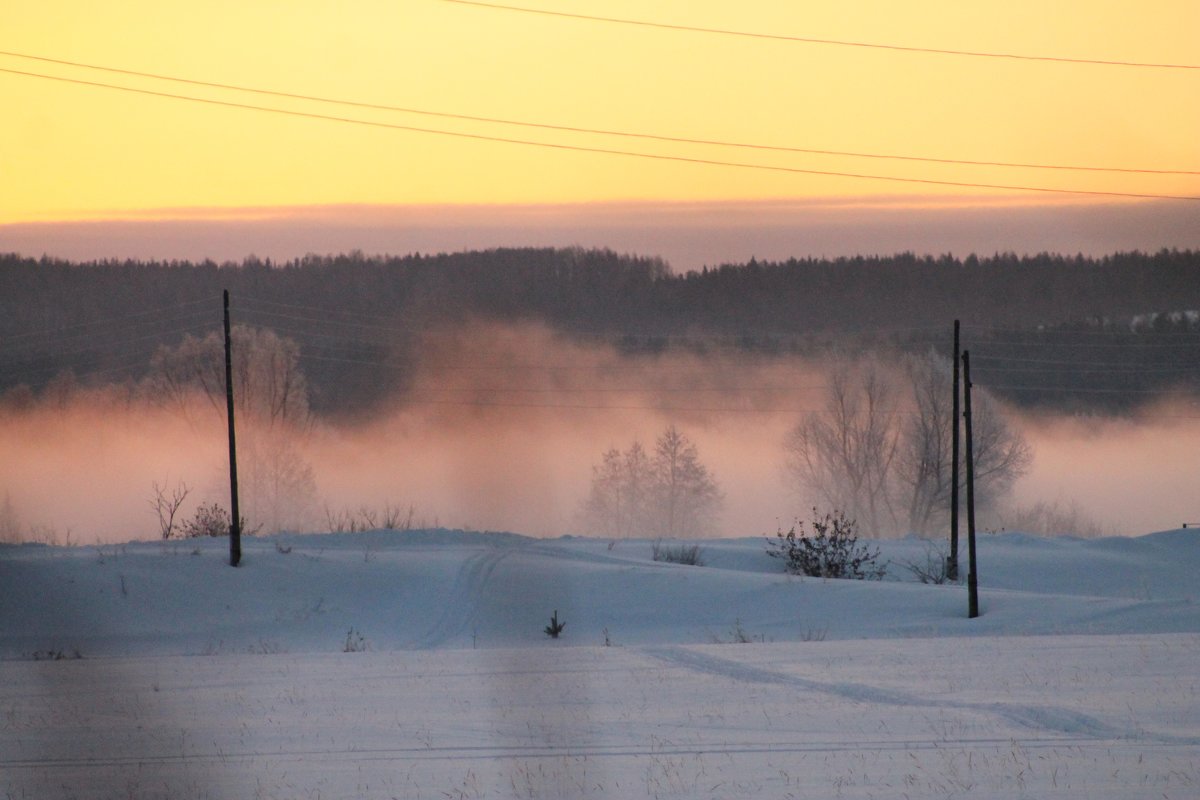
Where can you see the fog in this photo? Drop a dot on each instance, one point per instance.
(1134, 474)
(500, 429)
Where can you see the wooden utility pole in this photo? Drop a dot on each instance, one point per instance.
(235, 523)
(972, 576)
(952, 559)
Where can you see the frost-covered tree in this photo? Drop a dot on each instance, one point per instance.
(618, 502)
(269, 386)
(924, 465)
(668, 494)
(881, 447)
(279, 485)
(10, 522)
(271, 397)
(686, 497)
(844, 453)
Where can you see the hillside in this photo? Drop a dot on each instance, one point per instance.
(449, 589)
(381, 665)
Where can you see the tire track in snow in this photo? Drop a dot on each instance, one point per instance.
(1044, 718)
(463, 598)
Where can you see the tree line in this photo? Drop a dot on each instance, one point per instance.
(1076, 312)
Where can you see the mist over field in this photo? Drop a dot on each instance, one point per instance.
(499, 428)
(481, 390)
(1132, 474)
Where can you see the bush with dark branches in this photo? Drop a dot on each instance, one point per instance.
(211, 520)
(831, 550)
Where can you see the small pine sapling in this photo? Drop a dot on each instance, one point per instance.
(555, 627)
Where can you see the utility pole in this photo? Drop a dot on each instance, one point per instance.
(972, 575)
(952, 559)
(235, 524)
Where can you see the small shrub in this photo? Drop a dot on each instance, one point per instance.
(814, 634)
(936, 567)
(555, 627)
(830, 551)
(210, 520)
(395, 518)
(738, 635)
(57, 655)
(677, 553)
(365, 518)
(355, 642)
(103, 555)
(1055, 519)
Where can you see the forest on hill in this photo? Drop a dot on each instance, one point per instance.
(1068, 332)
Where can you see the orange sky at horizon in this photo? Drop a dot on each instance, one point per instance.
(77, 152)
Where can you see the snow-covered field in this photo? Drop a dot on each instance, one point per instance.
(414, 665)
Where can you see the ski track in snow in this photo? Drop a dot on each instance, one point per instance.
(1007, 714)
(462, 607)
(621, 750)
(1040, 717)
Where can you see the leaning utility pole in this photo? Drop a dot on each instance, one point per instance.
(972, 576)
(952, 559)
(235, 524)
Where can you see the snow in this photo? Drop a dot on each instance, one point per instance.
(732, 679)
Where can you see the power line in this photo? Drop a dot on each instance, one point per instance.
(1167, 345)
(81, 344)
(94, 349)
(439, 401)
(310, 315)
(1109, 333)
(603, 150)
(814, 40)
(122, 321)
(134, 360)
(1115, 371)
(1060, 362)
(599, 131)
(1064, 389)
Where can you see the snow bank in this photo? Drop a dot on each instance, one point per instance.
(453, 589)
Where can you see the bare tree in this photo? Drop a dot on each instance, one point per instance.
(280, 486)
(269, 386)
(668, 494)
(686, 497)
(10, 521)
(924, 464)
(617, 503)
(844, 453)
(273, 413)
(884, 454)
(166, 507)
(603, 508)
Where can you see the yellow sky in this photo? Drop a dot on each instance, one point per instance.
(70, 151)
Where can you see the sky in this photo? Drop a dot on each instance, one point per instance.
(93, 171)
